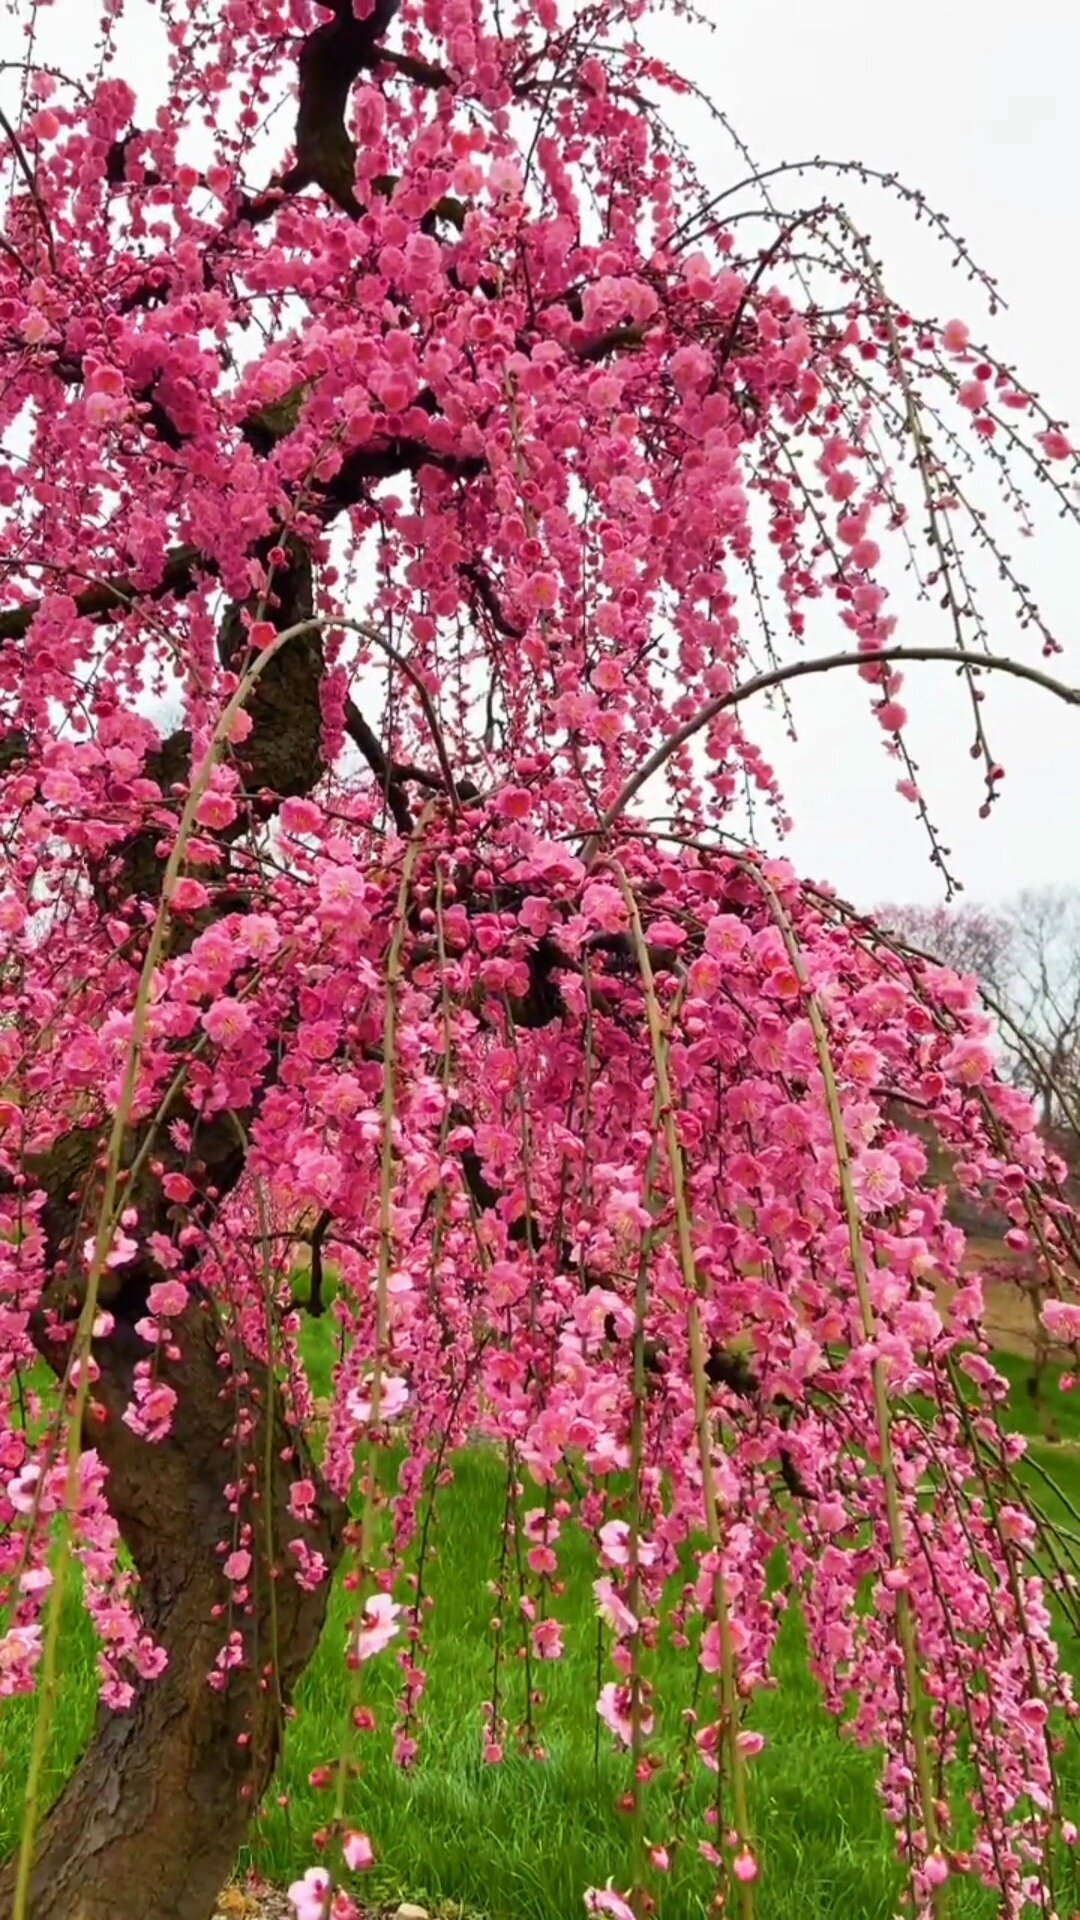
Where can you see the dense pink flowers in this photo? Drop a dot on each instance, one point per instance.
(552, 483)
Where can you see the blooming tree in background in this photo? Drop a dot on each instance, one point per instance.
(454, 468)
(1026, 957)
(967, 938)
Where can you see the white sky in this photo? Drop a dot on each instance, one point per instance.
(977, 106)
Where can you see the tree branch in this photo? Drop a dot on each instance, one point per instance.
(387, 776)
(183, 565)
(798, 670)
(103, 598)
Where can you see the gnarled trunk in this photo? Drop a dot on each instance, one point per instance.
(149, 1825)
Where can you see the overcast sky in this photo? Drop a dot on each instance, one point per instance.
(978, 107)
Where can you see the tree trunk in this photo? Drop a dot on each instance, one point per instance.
(149, 1825)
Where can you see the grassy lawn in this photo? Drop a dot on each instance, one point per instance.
(519, 1842)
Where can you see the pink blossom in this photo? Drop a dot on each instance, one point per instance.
(35, 329)
(300, 816)
(614, 1537)
(259, 935)
(227, 1022)
(1061, 1318)
(20, 1652)
(744, 1866)
(393, 1399)
(615, 1707)
(378, 1626)
(167, 1297)
(936, 1868)
(968, 1061)
(358, 1851)
(505, 176)
(603, 906)
(342, 891)
(310, 1895)
(877, 1181)
(302, 1499)
(725, 936)
(188, 895)
(606, 1900)
(238, 1565)
(311, 1567)
(547, 1641)
(542, 592)
(955, 336)
(216, 810)
(612, 1608)
(506, 1283)
(150, 1413)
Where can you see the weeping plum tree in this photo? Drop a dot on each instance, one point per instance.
(455, 472)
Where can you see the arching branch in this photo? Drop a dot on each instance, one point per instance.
(799, 670)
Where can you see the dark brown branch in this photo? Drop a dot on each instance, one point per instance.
(384, 462)
(107, 597)
(116, 162)
(316, 1306)
(184, 565)
(331, 58)
(387, 776)
(616, 340)
(483, 594)
(14, 747)
(31, 185)
(151, 1820)
(421, 72)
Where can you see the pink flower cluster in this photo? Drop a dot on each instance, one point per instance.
(586, 470)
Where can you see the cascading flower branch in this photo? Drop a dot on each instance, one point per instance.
(455, 480)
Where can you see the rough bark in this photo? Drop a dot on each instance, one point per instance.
(149, 1825)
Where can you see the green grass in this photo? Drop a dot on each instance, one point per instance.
(521, 1841)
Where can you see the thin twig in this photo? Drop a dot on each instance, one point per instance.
(797, 670)
(28, 175)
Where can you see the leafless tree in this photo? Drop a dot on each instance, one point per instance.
(1043, 997)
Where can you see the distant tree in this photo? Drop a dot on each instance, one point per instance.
(973, 940)
(1026, 957)
(1044, 995)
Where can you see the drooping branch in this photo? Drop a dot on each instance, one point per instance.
(390, 781)
(165, 1790)
(316, 1304)
(169, 1787)
(153, 1817)
(798, 670)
